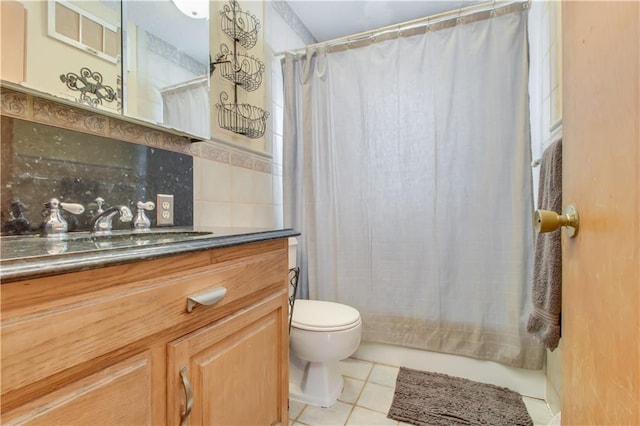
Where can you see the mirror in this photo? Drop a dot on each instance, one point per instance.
(68, 49)
(74, 50)
(166, 63)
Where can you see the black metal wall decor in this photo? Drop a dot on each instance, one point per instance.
(89, 84)
(242, 70)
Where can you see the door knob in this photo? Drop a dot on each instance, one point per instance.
(549, 221)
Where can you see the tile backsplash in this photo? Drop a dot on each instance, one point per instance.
(40, 162)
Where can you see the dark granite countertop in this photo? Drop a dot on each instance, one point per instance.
(24, 257)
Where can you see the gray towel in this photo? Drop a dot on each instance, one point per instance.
(544, 321)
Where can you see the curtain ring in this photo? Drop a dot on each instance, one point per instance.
(459, 18)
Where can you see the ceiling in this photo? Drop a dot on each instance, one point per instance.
(329, 19)
(325, 19)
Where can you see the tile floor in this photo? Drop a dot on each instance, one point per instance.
(367, 396)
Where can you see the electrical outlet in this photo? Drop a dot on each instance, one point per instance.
(164, 210)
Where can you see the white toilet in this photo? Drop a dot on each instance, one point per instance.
(322, 334)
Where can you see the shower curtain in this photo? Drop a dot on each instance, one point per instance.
(185, 106)
(407, 171)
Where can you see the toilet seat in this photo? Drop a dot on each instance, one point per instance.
(320, 315)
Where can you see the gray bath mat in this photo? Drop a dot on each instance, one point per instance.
(431, 399)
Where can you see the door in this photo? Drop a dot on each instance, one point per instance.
(601, 267)
(234, 371)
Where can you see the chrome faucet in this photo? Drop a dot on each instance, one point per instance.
(142, 223)
(54, 224)
(101, 224)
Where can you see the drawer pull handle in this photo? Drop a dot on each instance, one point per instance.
(207, 298)
(188, 394)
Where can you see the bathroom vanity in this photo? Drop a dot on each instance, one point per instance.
(185, 331)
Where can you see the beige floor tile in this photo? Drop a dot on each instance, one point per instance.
(371, 386)
(351, 391)
(365, 417)
(355, 369)
(376, 397)
(538, 410)
(384, 375)
(335, 415)
(295, 408)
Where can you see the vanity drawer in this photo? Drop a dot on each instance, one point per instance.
(127, 316)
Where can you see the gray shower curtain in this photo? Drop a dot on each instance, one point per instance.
(407, 171)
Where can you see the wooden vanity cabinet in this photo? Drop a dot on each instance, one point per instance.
(117, 345)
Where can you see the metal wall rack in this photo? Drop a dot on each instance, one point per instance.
(242, 70)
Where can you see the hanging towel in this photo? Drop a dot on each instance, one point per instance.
(544, 321)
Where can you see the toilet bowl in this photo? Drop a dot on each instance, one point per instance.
(322, 334)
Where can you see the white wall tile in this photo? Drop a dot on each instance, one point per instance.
(212, 180)
(242, 215)
(277, 149)
(278, 112)
(277, 189)
(262, 188)
(263, 216)
(241, 185)
(211, 214)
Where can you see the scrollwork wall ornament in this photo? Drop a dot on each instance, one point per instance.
(89, 84)
(14, 103)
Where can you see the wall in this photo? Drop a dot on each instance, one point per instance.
(50, 149)
(48, 58)
(239, 182)
(235, 183)
(545, 88)
(258, 97)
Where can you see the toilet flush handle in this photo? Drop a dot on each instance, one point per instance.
(207, 298)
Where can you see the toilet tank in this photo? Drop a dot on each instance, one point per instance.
(293, 250)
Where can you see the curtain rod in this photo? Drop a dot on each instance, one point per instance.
(416, 25)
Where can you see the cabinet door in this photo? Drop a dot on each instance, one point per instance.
(118, 395)
(234, 371)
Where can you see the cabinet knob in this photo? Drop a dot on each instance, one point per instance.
(207, 298)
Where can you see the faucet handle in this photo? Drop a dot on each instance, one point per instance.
(72, 208)
(99, 202)
(142, 223)
(54, 224)
(149, 205)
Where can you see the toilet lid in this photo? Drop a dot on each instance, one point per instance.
(319, 315)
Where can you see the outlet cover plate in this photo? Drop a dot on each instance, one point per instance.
(164, 210)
